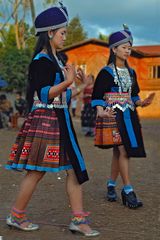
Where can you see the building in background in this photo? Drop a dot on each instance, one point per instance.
(92, 54)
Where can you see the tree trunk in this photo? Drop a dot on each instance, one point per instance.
(22, 27)
(16, 25)
(32, 10)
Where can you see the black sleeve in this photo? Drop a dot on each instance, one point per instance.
(102, 85)
(44, 75)
(135, 86)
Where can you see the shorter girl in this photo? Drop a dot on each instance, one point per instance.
(116, 98)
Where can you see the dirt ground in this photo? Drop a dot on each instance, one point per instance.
(49, 206)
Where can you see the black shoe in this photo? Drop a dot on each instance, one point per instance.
(130, 200)
(111, 194)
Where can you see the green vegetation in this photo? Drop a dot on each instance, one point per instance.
(103, 37)
(17, 39)
(75, 32)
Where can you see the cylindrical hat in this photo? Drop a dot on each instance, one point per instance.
(51, 19)
(120, 37)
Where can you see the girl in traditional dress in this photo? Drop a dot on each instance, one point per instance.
(116, 98)
(47, 141)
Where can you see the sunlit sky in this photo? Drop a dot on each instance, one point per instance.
(107, 16)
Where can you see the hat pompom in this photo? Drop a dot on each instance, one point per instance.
(125, 27)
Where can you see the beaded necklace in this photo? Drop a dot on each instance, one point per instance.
(122, 78)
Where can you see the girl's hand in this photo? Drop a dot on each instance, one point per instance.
(70, 73)
(87, 80)
(81, 75)
(108, 112)
(147, 101)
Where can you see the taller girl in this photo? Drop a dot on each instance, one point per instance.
(47, 141)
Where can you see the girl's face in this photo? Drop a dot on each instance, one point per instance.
(123, 51)
(59, 37)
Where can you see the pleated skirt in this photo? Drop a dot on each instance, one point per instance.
(39, 145)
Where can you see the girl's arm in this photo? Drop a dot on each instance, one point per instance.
(146, 102)
(45, 77)
(69, 71)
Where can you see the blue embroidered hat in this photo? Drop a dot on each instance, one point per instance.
(120, 37)
(50, 19)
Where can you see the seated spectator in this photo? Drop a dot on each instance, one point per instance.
(6, 111)
(20, 104)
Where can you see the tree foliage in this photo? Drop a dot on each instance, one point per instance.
(103, 37)
(17, 40)
(13, 67)
(75, 32)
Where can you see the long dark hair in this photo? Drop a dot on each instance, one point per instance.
(42, 43)
(112, 60)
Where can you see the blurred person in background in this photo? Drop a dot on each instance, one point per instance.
(6, 111)
(88, 114)
(20, 104)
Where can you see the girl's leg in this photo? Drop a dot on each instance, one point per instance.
(115, 164)
(111, 183)
(27, 188)
(74, 191)
(124, 165)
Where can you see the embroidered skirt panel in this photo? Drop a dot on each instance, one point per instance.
(39, 145)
